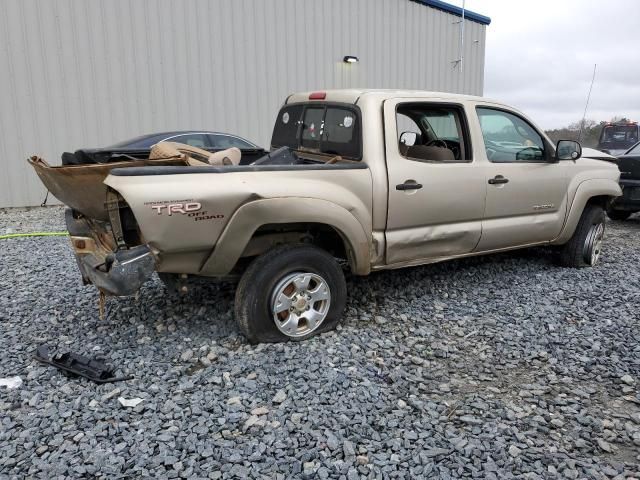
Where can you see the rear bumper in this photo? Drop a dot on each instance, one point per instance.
(630, 198)
(120, 272)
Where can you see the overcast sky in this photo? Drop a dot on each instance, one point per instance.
(540, 56)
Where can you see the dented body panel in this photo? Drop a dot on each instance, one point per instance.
(204, 220)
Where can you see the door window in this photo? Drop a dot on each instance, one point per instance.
(228, 141)
(509, 138)
(199, 140)
(432, 133)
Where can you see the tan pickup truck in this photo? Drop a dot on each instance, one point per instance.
(356, 180)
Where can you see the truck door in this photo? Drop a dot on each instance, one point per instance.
(436, 192)
(526, 190)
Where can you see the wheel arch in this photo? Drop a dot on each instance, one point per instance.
(289, 220)
(590, 192)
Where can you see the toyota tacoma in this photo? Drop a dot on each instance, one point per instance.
(355, 180)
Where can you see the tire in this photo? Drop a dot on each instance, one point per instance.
(618, 214)
(584, 247)
(306, 310)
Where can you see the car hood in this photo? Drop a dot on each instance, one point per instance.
(597, 154)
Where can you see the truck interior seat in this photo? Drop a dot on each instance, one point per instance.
(424, 152)
(230, 156)
(195, 156)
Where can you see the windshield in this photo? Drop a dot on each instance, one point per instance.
(318, 127)
(620, 135)
(635, 150)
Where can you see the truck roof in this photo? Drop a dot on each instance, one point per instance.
(353, 95)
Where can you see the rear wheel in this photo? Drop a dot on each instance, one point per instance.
(618, 214)
(585, 246)
(292, 292)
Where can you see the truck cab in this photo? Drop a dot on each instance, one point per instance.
(617, 138)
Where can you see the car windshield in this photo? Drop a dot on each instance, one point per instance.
(621, 134)
(635, 150)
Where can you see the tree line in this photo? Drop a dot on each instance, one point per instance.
(590, 131)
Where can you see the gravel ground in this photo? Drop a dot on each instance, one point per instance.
(496, 367)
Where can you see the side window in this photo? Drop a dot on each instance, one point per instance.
(199, 140)
(432, 133)
(228, 141)
(509, 138)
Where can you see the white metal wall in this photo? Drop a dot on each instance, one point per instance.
(79, 73)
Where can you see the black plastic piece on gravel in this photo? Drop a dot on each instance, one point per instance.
(75, 365)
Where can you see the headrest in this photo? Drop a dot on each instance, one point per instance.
(230, 156)
(424, 152)
(196, 156)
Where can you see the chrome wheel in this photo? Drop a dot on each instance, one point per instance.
(593, 244)
(300, 303)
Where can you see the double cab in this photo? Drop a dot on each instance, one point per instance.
(355, 180)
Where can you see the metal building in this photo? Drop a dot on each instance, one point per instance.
(79, 74)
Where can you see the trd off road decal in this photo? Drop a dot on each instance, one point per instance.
(190, 208)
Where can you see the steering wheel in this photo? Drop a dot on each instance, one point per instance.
(437, 143)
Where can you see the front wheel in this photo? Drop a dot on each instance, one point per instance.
(585, 246)
(291, 292)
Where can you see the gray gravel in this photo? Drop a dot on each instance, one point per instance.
(496, 367)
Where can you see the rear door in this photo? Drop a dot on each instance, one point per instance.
(526, 191)
(436, 191)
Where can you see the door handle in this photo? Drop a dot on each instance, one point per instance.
(409, 186)
(498, 179)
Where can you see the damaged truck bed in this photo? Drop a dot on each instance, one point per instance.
(343, 187)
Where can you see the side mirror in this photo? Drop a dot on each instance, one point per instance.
(408, 138)
(568, 150)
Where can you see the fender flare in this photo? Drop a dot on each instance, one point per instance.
(596, 187)
(249, 217)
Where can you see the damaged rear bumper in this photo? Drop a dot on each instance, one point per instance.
(119, 272)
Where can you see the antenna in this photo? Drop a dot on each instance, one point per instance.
(584, 116)
(458, 61)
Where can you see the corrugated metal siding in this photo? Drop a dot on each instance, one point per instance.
(77, 74)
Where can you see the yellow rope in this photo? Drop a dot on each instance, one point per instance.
(34, 234)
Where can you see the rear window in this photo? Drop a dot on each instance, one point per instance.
(325, 128)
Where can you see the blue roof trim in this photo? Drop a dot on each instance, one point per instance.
(447, 7)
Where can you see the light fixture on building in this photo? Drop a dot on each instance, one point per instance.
(350, 59)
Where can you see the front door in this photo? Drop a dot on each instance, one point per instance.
(436, 188)
(526, 191)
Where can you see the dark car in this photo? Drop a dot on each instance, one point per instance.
(629, 202)
(206, 140)
(617, 138)
(139, 147)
